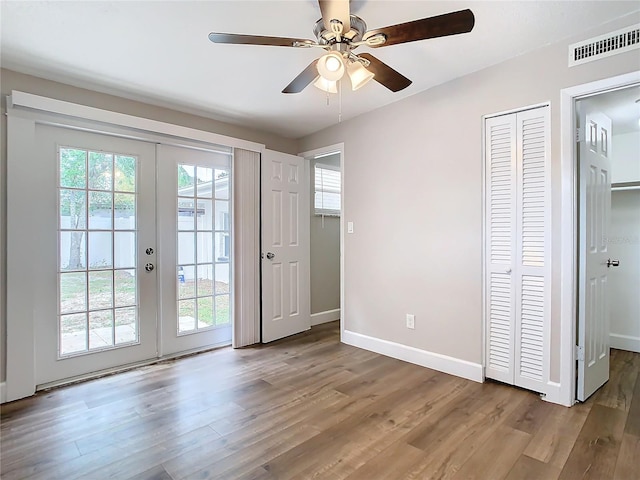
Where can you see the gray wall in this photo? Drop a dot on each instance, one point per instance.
(325, 253)
(413, 188)
(624, 245)
(10, 80)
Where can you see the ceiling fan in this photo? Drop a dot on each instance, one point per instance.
(339, 33)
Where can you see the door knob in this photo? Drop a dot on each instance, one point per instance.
(149, 251)
(149, 267)
(271, 255)
(612, 263)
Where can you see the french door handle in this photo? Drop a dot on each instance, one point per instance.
(149, 267)
(612, 263)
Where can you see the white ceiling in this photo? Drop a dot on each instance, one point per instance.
(158, 51)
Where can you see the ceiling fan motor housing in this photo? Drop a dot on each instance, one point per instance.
(328, 37)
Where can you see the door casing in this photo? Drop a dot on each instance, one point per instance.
(566, 392)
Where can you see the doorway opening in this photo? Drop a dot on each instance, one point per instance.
(607, 168)
(326, 233)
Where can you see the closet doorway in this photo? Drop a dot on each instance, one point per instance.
(326, 209)
(608, 166)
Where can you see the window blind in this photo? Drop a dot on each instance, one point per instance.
(327, 190)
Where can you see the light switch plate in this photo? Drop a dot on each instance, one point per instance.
(411, 321)
(349, 227)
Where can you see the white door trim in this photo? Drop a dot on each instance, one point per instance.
(23, 113)
(566, 393)
(336, 147)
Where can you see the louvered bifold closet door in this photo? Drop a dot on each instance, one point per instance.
(532, 277)
(500, 254)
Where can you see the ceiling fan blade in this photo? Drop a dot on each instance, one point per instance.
(299, 83)
(385, 75)
(236, 39)
(336, 9)
(440, 26)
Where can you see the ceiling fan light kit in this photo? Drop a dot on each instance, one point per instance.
(326, 85)
(331, 66)
(339, 33)
(358, 74)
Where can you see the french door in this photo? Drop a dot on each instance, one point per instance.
(194, 201)
(94, 199)
(134, 260)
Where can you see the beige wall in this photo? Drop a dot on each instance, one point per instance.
(10, 80)
(325, 253)
(413, 188)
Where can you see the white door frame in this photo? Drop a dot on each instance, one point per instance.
(308, 155)
(24, 110)
(569, 227)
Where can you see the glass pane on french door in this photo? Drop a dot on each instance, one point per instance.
(99, 308)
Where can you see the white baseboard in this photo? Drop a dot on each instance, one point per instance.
(3, 392)
(435, 361)
(625, 342)
(325, 317)
(555, 394)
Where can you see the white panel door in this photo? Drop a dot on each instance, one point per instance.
(595, 202)
(500, 254)
(285, 246)
(194, 254)
(93, 197)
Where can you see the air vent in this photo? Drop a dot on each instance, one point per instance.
(605, 45)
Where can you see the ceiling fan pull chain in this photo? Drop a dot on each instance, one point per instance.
(339, 101)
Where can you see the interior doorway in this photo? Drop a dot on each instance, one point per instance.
(608, 307)
(326, 232)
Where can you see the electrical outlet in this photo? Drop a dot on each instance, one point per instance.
(411, 321)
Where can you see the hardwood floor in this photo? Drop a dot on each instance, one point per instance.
(310, 407)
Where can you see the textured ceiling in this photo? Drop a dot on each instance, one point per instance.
(158, 51)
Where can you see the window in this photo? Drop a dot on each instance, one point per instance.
(327, 190)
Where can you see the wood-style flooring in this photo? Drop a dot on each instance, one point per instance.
(310, 407)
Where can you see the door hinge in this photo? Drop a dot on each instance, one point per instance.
(579, 353)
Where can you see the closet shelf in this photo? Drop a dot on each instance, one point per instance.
(625, 186)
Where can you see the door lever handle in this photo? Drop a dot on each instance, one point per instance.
(612, 263)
